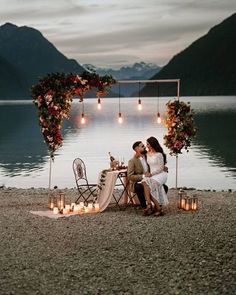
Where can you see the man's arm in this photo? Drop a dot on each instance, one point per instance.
(131, 172)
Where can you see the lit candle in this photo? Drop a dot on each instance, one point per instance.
(96, 207)
(51, 205)
(55, 210)
(187, 206)
(76, 209)
(90, 207)
(81, 204)
(86, 209)
(67, 207)
(183, 202)
(72, 206)
(65, 211)
(195, 203)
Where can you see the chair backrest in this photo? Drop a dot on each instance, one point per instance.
(79, 169)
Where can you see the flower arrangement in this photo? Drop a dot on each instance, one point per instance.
(180, 126)
(53, 97)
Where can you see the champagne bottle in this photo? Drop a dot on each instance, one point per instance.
(111, 157)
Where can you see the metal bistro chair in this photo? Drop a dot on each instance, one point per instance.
(85, 189)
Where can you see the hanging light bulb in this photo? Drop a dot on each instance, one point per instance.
(99, 104)
(140, 107)
(158, 118)
(120, 119)
(82, 119)
(158, 113)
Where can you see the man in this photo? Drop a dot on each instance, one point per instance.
(137, 169)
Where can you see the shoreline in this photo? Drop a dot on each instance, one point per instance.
(117, 251)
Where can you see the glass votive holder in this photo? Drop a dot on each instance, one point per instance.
(51, 201)
(96, 207)
(61, 201)
(55, 210)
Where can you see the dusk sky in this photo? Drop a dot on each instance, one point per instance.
(110, 33)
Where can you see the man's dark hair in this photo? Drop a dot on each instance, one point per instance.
(137, 143)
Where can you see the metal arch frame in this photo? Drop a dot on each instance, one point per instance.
(154, 81)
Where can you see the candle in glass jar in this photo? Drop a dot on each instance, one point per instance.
(51, 205)
(67, 207)
(76, 209)
(96, 207)
(86, 209)
(55, 210)
(72, 206)
(90, 207)
(183, 203)
(187, 207)
(81, 204)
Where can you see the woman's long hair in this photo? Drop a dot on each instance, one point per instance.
(154, 143)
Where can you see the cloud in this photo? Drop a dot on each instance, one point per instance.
(107, 32)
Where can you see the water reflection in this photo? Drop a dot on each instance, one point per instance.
(24, 155)
(21, 145)
(216, 137)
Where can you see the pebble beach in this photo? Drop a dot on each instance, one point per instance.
(118, 251)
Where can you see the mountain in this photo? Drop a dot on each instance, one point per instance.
(11, 83)
(137, 71)
(32, 56)
(206, 67)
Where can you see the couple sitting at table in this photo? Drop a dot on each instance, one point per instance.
(147, 174)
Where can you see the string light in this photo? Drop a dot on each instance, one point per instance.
(158, 118)
(139, 100)
(99, 104)
(120, 119)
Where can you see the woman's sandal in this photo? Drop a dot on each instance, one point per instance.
(148, 211)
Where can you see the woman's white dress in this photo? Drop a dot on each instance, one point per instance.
(158, 178)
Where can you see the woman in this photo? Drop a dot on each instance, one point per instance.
(153, 181)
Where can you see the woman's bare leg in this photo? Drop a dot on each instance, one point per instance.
(146, 192)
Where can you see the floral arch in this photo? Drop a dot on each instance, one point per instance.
(53, 96)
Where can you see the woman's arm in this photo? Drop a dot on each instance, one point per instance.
(160, 164)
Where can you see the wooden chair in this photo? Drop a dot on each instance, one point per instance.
(85, 189)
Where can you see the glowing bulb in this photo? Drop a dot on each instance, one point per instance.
(158, 118)
(82, 119)
(99, 104)
(140, 105)
(120, 119)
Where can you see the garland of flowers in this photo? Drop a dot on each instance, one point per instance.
(53, 97)
(180, 124)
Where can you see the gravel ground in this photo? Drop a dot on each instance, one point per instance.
(117, 251)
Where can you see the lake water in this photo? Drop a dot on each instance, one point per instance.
(24, 161)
